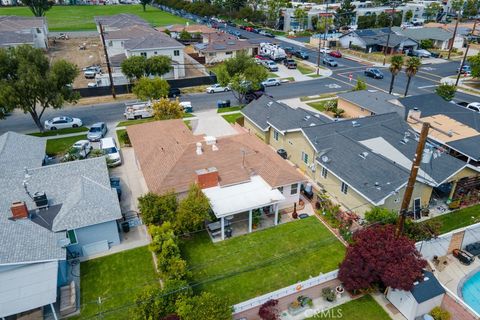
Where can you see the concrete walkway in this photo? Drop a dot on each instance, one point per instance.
(211, 123)
(296, 103)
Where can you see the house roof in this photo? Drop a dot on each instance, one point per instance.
(138, 37)
(379, 36)
(169, 161)
(119, 21)
(428, 289)
(20, 151)
(223, 42)
(191, 28)
(463, 123)
(266, 112)
(17, 23)
(9, 38)
(419, 34)
(375, 101)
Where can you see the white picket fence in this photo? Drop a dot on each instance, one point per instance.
(255, 302)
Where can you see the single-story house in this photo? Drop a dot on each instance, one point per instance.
(193, 29)
(15, 31)
(238, 173)
(368, 103)
(441, 38)
(375, 40)
(421, 299)
(218, 47)
(46, 214)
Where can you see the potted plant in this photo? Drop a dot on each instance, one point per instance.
(256, 219)
(328, 294)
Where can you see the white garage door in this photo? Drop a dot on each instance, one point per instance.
(94, 248)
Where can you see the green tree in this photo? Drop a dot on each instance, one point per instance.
(383, 20)
(381, 215)
(426, 44)
(164, 109)
(446, 91)
(273, 10)
(471, 8)
(156, 209)
(422, 231)
(314, 21)
(185, 35)
(242, 74)
(39, 7)
(411, 68)
(408, 15)
(344, 14)
(324, 24)
(192, 210)
(134, 67)
(30, 83)
(361, 85)
(457, 5)
(205, 306)
(158, 65)
(300, 16)
(144, 4)
(151, 89)
(432, 10)
(396, 64)
(367, 22)
(474, 65)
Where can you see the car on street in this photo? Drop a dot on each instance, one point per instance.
(289, 50)
(79, 150)
(329, 62)
(325, 50)
(270, 65)
(301, 54)
(217, 88)
(97, 131)
(115, 184)
(290, 63)
(62, 123)
(373, 73)
(465, 70)
(111, 151)
(266, 34)
(335, 54)
(174, 92)
(235, 33)
(474, 106)
(249, 29)
(270, 82)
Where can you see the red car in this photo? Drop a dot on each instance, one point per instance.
(335, 54)
(261, 57)
(249, 29)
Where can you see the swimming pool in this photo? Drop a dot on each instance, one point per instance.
(471, 292)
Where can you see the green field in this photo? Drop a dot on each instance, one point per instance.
(251, 265)
(77, 18)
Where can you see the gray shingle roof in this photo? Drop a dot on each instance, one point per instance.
(9, 38)
(121, 20)
(379, 36)
(20, 151)
(419, 34)
(427, 289)
(374, 101)
(143, 37)
(16, 23)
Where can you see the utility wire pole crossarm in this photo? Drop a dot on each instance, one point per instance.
(407, 197)
(112, 86)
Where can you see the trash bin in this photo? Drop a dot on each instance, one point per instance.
(223, 103)
(125, 226)
(228, 232)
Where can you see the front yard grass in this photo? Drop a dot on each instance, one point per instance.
(229, 109)
(115, 280)
(359, 309)
(458, 219)
(232, 118)
(320, 105)
(59, 146)
(51, 133)
(120, 138)
(246, 266)
(272, 75)
(304, 69)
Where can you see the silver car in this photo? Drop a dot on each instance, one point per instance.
(97, 131)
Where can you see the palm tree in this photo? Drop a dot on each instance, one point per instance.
(411, 68)
(396, 65)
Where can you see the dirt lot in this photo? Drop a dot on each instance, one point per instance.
(70, 50)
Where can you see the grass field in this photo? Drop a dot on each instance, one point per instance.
(304, 68)
(115, 280)
(232, 118)
(59, 146)
(51, 133)
(458, 219)
(230, 109)
(246, 266)
(77, 18)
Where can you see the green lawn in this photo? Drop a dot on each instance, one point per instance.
(229, 109)
(51, 133)
(320, 105)
(75, 18)
(115, 280)
(458, 219)
(232, 118)
(120, 137)
(360, 309)
(60, 145)
(272, 75)
(314, 75)
(305, 69)
(247, 266)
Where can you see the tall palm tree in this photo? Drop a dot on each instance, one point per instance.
(411, 68)
(396, 65)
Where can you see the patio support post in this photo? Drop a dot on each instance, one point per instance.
(222, 223)
(250, 221)
(276, 214)
(53, 311)
(452, 192)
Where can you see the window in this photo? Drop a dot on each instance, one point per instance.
(280, 189)
(72, 236)
(275, 135)
(294, 188)
(304, 157)
(176, 53)
(110, 43)
(228, 53)
(212, 54)
(144, 54)
(324, 172)
(344, 187)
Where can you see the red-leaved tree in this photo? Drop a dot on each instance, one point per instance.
(268, 310)
(377, 256)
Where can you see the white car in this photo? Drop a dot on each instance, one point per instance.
(84, 147)
(270, 82)
(62, 123)
(111, 151)
(217, 88)
(474, 106)
(92, 85)
(325, 50)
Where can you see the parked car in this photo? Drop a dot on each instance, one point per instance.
(79, 150)
(90, 74)
(174, 92)
(249, 29)
(217, 88)
(97, 131)
(301, 54)
(115, 184)
(335, 54)
(93, 67)
(261, 57)
(253, 94)
(235, 33)
(329, 62)
(111, 151)
(270, 65)
(465, 70)
(290, 63)
(288, 50)
(325, 50)
(374, 73)
(62, 123)
(63, 36)
(421, 53)
(242, 27)
(474, 106)
(270, 82)
(266, 34)
(92, 85)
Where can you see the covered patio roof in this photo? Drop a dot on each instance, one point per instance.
(229, 200)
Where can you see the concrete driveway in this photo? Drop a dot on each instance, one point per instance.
(211, 123)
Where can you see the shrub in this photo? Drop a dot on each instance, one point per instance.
(440, 314)
(268, 310)
(126, 139)
(328, 294)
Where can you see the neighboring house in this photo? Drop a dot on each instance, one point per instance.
(119, 21)
(46, 214)
(193, 29)
(218, 47)
(375, 40)
(420, 300)
(368, 103)
(238, 173)
(15, 31)
(365, 162)
(441, 38)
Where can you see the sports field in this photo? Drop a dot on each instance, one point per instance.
(78, 18)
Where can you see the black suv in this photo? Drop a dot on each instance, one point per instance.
(301, 54)
(174, 92)
(290, 63)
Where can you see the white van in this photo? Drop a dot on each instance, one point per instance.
(138, 110)
(111, 151)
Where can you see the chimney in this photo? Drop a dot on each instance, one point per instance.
(207, 178)
(19, 210)
(199, 149)
(414, 114)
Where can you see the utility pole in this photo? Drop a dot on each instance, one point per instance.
(454, 35)
(474, 27)
(389, 32)
(461, 66)
(320, 41)
(407, 197)
(112, 86)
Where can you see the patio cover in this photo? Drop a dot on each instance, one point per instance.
(229, 200)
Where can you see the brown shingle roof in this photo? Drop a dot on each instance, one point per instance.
(192, 28)
(166, 151)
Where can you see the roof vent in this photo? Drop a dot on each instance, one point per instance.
(269, 103)
(404, 141)
(41, 200)
(426, 279)
(312, 124)
(317, 115)
(199, 148)
(306, 118)
(363, 155)
(355, 124)
(325, 159)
